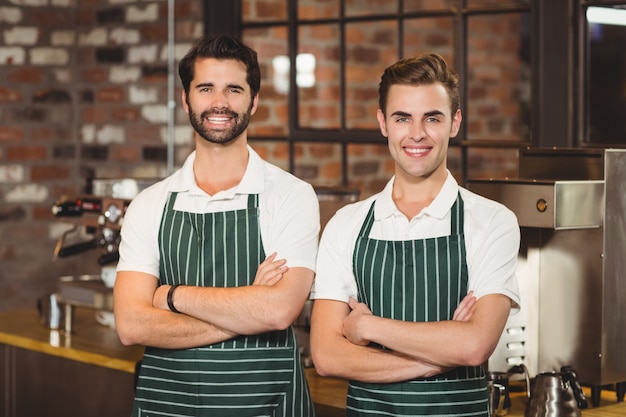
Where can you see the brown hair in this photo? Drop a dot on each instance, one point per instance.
(425, 69)
(221, 47)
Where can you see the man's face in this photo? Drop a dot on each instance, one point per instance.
(219, 103)
(418, 126)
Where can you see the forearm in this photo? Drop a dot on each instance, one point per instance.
(436, 342)
(159, 328)
(139, 322)
(447, 343)
(343, 359)
(251, 309)
(335, 355)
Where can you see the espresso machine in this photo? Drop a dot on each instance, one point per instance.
(98, 215)
(571, 208)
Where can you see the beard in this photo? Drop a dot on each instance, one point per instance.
(222, 136)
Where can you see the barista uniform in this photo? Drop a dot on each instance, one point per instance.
(255, 375)
(418, 279)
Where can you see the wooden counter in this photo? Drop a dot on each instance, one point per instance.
(330, 394)
(89, 343)
(98, 348)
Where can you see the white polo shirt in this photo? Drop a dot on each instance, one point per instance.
(492, 239)
(288, 213)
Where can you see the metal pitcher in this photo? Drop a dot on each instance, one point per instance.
(51, 311)
(498, 386)
(556, 394)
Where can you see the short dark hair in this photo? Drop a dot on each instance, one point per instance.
(221, 47)
(425, 69)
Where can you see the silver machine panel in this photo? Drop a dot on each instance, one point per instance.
(571, 207)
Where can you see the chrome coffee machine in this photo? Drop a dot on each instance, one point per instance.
(99, 216)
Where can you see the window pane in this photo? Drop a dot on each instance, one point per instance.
(607, 75)
(316, 9)
(263, 10)
(369, 167)
(271, 117)
(498, 85)
(273, 151)
(318, 76)
(435, 34)
(495, 163)
(496, 4)
(370, 7)
(370, 48)
(419, 5)
(318, 163)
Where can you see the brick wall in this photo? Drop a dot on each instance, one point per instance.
(83, 94)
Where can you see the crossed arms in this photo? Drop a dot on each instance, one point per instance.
(340, 334)
(209, 315)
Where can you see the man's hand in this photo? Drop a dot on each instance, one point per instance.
(352, 323)
(270, 271)
(464, 311)
(159, 299)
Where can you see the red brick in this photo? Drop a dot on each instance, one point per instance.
(112, 94)
(125, 114)
(94, 75)
(9, 94)
(50, 172)
(50, 134)
(42, 212)
(325, 150)
(153, 32)
(11, 134)
(330, 171)
(125, 154)
(25, 75)
(94, 114)
(143, 134)
(50, 16)
(27, 153)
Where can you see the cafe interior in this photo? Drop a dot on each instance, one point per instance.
(91, 114)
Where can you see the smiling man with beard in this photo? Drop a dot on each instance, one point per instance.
(217, 260)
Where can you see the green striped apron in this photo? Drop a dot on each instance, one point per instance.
(258, 375)
(416, 280)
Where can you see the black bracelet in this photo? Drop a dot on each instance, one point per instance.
(170, 298)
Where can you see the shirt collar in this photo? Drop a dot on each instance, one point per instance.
(439, 208)
(252, 181)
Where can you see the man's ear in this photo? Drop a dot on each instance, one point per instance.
(382, 124)
(183, 98)
(456, 124)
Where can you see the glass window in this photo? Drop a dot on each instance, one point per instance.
(434, 34)
(496, 3)
(370, 7)
(272, 116)
(318, 76)
(318, 10)
(370, 48)
(424, 5)
(606, 76)
(263, 10)
(498, 77)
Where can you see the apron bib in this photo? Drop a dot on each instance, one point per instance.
(416, 280)
(258, 375)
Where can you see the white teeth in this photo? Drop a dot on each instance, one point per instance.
(218, 119)
(416, 151)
